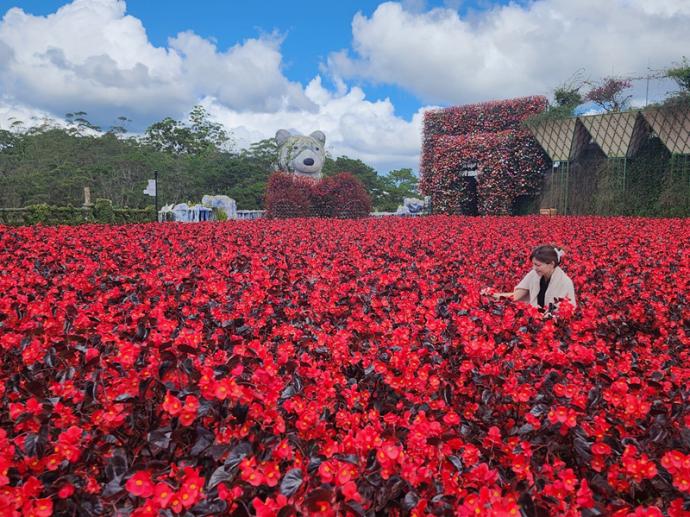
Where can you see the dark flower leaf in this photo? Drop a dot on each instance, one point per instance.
(117, 466)
(112, 487)
(240, 412)
(142, 330)
(238, 453)
(187, 349)
(457, 463)
(209, 507)
(448, 394)
(164, 368)
(287, 511)
(204, 439)
(314, 463)
(160, 438)
(355, 508)
(288, 392)
(291, 482)
(188, 367)
(320, 495)
(539, 410)
(527, 507)
(90, 508)
(50, 359)
(410, 501)
(218, 450)
(349, 458)
(219, 475)
(524, 429)
(125, 397)
(30, 443)
(582, 447)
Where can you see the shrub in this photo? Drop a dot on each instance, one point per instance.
(341, 195)
(103, 211)
(489, 138)
(609, 94)
(288, 195)
(680, 73)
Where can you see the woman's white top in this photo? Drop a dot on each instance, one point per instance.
(560, 286)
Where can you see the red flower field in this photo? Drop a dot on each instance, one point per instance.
(339, 367)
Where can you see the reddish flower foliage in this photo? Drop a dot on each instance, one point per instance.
(488, 138)
(341, 195)
(324, 367)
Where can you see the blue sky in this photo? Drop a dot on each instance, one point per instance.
(310, 29)
(364, 72)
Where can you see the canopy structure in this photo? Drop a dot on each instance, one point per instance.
(618, 135)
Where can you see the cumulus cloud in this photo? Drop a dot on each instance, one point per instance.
(511, 50)
(91, 56)
(354, 126)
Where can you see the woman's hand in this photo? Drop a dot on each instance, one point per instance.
(488, 291)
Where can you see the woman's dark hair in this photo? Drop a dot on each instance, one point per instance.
(546, 254)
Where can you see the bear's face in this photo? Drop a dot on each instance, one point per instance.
(301, 155)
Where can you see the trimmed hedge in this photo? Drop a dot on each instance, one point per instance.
(341, 196)
(490, 139)
(101, 212)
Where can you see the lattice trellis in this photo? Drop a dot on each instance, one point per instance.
(562, 139)
(672, 126)
(615, 133)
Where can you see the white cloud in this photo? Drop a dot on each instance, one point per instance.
(91, 56)
(354, 126)
(511, 50)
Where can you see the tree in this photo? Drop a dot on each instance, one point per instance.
(405, 180)
(264, 153)
(609, 94)
(395, 186)
(198, 136)
(78, 122)
(366, 174)
(213, 133)
(567, 97)
(680, 73)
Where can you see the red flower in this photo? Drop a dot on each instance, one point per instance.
(163, 494)
(140, 484)
(66, 491)
(172, 404)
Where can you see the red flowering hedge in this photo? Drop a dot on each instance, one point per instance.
(490, 138)
(341, 195)
(511, 165)
(329, 367)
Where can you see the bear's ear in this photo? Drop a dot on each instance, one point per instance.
(318, 135)
(281, 136)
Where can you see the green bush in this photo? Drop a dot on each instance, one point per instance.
(103, 211)
(219, 215)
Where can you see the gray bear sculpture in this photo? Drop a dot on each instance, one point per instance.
(301, 155)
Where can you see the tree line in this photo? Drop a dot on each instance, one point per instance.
(51, 163)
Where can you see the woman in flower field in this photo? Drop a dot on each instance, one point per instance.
(545, 283)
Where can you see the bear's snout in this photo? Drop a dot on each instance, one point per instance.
(309, 162)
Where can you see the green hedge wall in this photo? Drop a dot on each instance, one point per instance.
(101, 212)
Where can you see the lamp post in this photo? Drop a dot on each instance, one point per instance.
(155, 202)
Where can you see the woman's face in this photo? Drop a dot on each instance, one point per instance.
(543, 268)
